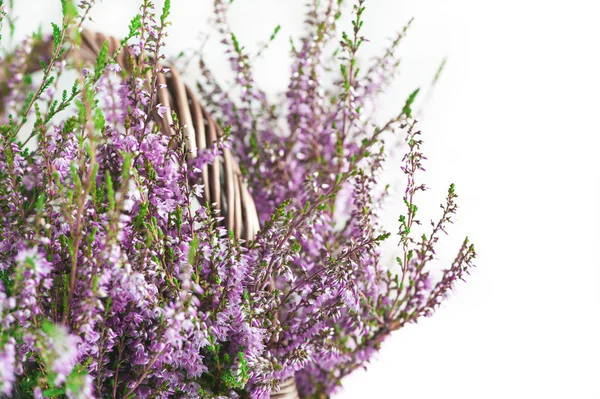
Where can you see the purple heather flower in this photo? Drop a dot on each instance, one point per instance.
(114, 67)
(135, 50)
(7, 366)
(161, 110)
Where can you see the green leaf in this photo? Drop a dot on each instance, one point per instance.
(39, 204)
(48, 328)
(75, 175)
(54, 392)
(134, 26)
(296, 247)
(110, 192)
(99, 120)
(28, 102)
(138, 221)
(275, 32)
(451, 192)
(126, 170)
(101, 60)
(409, 101)
(69, 9)
(193, 249)
(253, 142)
(236, 44)
(165, 11)
(76, 380)
(56, 33)
(439, 71)
(47, 84)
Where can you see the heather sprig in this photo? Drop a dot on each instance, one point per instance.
(3, 14)
(315, 268)
(6, 15)
(59, 34)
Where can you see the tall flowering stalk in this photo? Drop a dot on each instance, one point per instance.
(315, 183)
(116, 283)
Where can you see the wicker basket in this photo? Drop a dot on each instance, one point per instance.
(223, 181)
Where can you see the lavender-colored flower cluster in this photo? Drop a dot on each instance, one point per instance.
(115, 283)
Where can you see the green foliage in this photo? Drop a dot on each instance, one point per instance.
(54, 392)
(451, 192)
(5, 278)
(165, 11)
(56, 35)
(406, 110)
(275, 32)
(25, 386)
(236, 44)
(139, 219)
(101, 61)
(439, 72)
(69, 9)
(296, 247)
(193, 250)
(254, 142)
(110, 192)
(99, 120)
(134, 28)
(76, 380)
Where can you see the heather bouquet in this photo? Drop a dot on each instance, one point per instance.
(119, 280)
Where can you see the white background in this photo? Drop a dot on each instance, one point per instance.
(514, 123)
